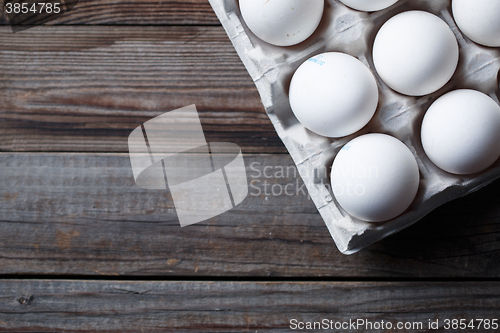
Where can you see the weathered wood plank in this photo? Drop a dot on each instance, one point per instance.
(112, 306)
(137, 12)
(82, 214)
(84, 89)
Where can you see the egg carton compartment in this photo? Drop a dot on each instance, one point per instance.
(353, 32)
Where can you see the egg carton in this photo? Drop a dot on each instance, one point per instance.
(353, 32)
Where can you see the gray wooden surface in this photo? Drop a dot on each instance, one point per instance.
(82, 214)
(85, 88)
(113, 306)
(137, 13)
(82, 248)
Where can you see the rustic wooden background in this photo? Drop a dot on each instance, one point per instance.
(82, 248)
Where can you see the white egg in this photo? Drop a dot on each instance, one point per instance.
(415, 53)
(282, 22)
(369, 5)
(333, 94)
(375, 177)
(461, 132)
(479, 20)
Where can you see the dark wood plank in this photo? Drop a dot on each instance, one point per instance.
(84, 89)
(82, 214)
(111, 306)
(137, 12)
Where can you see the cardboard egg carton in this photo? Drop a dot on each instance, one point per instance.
(349, 31)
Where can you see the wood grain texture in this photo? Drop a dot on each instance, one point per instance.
(82, 214)
(137, 12)
(111, 306)
(84, 89)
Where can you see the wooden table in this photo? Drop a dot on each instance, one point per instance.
(82, 248)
